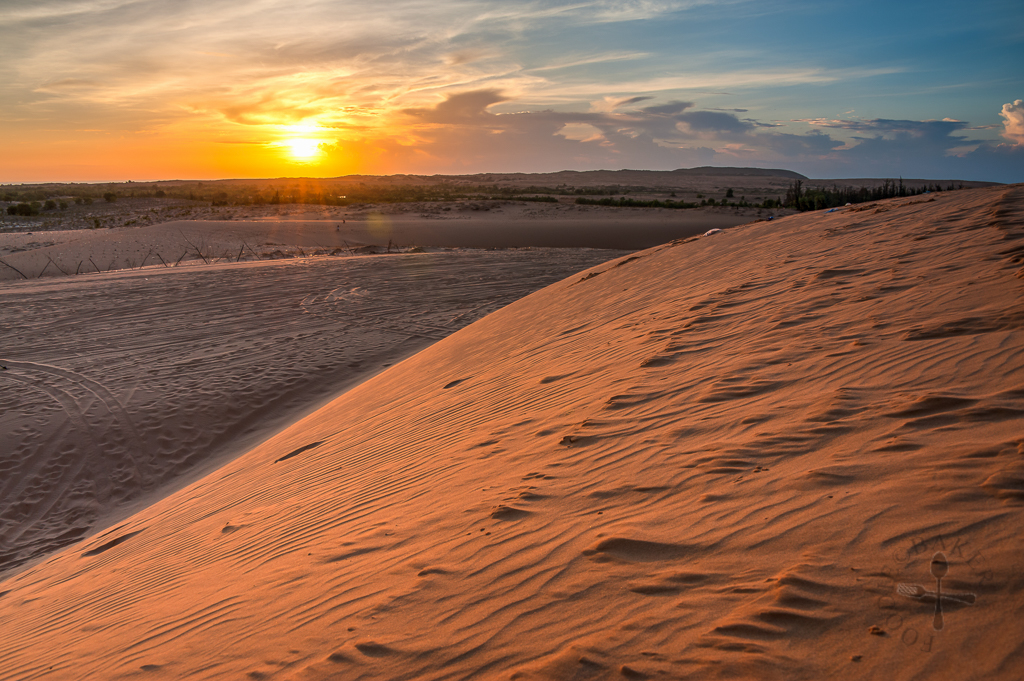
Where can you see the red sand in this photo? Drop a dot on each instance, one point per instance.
(730, 457)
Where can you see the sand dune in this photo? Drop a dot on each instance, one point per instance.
(120, 384)
(728, 457)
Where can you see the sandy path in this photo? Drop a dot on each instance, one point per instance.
(715, 459)
(119, 384)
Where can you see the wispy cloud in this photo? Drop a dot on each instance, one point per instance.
(449, 82)
(595, 59)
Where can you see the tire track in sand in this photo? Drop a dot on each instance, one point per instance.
(57, 489)
(98, 390)
(76, 395)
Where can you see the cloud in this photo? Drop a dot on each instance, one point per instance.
(902, 138)
(931, 149)
(601, 11)
(670, 109)
(596, 59)
(457, 84)
(581, 132)
(461, 108)
(713, 121)
(612, 103)
(991, 162)
(67, 83)
(1013, 117)
(815, 143)
(267, 110)
(892, 126)
(462, 134)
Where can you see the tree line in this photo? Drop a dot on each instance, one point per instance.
(818, 198)
(623, 202)
(321, 192)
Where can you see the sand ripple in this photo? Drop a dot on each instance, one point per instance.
(718, 460)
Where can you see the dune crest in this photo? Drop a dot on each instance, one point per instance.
(720, 457)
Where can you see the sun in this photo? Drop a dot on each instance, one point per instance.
(303, 149)
(301, 142)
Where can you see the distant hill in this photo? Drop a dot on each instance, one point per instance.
(626, 174)
(740, 172)
(753, 185)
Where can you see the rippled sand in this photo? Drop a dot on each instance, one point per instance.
(736, 456)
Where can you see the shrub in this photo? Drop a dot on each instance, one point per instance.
(110, 197)
(634, 203)
(24, 209)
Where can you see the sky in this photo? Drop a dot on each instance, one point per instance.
(115, 90)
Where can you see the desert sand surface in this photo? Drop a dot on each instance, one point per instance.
(751, 455)
(118, 385)
(240, 233)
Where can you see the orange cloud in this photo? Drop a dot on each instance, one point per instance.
(1013, 121)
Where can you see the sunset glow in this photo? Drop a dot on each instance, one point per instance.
(303, 144)
(303, 149)
(455, 87)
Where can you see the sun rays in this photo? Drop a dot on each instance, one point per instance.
(302, 143)
(303, 150)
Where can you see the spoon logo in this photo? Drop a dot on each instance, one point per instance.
(943, 557)
(939, 569)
